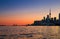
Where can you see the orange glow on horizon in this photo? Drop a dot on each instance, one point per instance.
(27, 18)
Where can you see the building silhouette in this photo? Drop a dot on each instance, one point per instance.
(47, 21)
(59, 16)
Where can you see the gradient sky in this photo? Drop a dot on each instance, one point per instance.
(26, 11)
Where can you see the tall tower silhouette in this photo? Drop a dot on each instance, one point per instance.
(50, 13)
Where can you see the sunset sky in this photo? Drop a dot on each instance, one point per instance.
(26, 11)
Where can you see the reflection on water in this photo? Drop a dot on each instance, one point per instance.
(29, 32)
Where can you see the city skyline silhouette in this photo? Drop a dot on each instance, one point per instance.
(47, 21)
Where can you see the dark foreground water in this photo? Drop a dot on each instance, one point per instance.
(29, 32)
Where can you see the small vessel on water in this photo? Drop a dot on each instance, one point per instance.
(26, 35)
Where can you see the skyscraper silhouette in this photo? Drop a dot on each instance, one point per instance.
(59, 16)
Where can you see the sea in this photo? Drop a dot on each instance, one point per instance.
(29, 32)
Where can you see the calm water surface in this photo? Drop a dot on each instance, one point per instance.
(29, 32)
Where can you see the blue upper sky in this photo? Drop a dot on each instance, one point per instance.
(26, 4)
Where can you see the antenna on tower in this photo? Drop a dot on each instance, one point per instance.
(50, 12)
